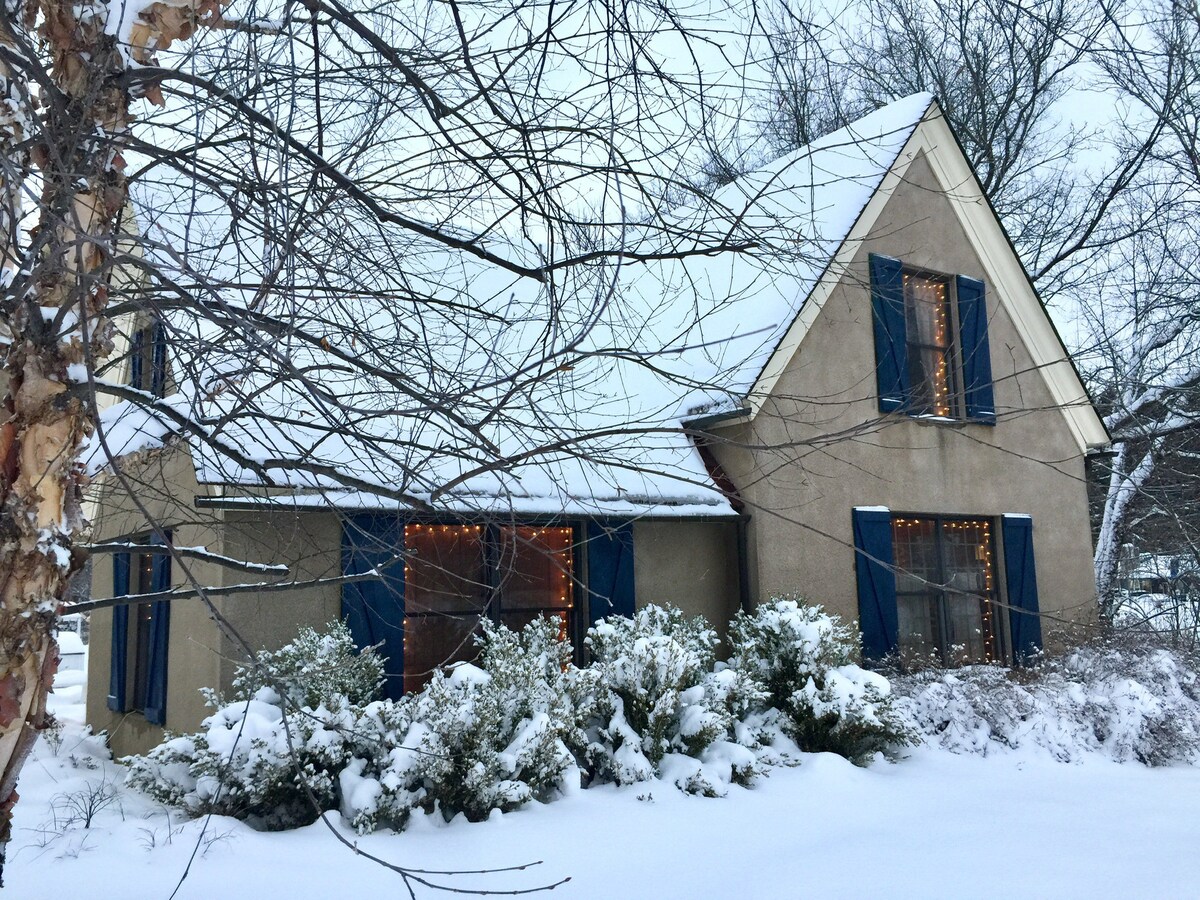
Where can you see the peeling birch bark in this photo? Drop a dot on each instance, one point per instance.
(53, 305)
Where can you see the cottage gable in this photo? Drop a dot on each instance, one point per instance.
(948, 209)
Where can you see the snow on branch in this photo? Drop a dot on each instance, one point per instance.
(266, 587)
(200, 553)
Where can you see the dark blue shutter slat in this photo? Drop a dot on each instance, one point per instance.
(374, 609)
(158, 372)
(874, 565)
(120, 635)
(976, 351)
(135, 359)
(1021, 578)
(160, 630)
(891, 347)
(610, 587)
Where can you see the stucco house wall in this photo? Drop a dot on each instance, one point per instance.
(691, 565)
(831, 450)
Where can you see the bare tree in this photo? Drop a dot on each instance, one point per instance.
(387, 234)
(1145, 356)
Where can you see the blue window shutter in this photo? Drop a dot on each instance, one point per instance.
(610, 570)
(160, 631)
(374, 609)
(1021, 578)
(119, 660)
(158, 372)
(874, 565)
(891, 347)
(976, 352)
(135, 359)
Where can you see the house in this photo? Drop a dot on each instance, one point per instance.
(878, 415)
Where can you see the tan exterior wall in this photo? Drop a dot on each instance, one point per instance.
(311, 544)
(691, 565)
(831, 450)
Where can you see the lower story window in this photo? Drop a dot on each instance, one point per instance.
(946, 602)
(457, 575)
(140, 631)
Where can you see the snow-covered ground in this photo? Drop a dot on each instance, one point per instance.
(934, 825)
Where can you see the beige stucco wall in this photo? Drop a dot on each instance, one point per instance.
(802, 490)
(691, 565)
(308, 542)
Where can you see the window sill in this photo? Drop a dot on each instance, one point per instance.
(953, 421)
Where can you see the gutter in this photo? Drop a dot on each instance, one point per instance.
(743, 562)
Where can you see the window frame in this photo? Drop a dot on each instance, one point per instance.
(148, 358)
(138, 651)
(493, 607)
(956, 399)
(1002, 650)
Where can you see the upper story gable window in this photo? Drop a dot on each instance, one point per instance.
(929, 330)
(148, 359)
(932, 356)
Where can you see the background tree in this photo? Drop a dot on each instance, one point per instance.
(1101, 214)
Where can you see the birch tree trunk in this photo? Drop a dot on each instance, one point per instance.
(55, 294)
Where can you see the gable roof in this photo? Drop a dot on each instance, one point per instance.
(596, 431)
(1007, 280)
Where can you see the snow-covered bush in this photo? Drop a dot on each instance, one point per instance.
(252, 760)
(476, 739)
(1126, 701)
(655, 698)
(269, 759)
(313, 668)
(803, 657)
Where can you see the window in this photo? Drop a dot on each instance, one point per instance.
(929, 325)
(138, 675)
(435, 582)
(931, 585)
(946, 590)
(148, 359)
(932, 355)
(455, 575)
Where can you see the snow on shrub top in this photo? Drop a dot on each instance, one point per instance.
(314, 668)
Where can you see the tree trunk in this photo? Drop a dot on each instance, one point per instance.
(1128, 475)
(55, 291)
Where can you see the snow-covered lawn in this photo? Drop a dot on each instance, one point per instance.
(934, 825)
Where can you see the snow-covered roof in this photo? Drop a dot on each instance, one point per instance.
(404, 395)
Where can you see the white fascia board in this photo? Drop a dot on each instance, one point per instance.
(1002, 269)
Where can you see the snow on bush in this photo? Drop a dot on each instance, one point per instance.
(1125, 701)
(476, 739)
(251, 760)
(313, 668)
(269, 759)
(656, 707)
(820, 698)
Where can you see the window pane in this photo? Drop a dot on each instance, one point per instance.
(435, 640)
(535, 568)
(926, 311)
(444, 569)
(143, 614)
(918, 622)
(915, 547)
(929, 328)
(945, 585)
(975, 623)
